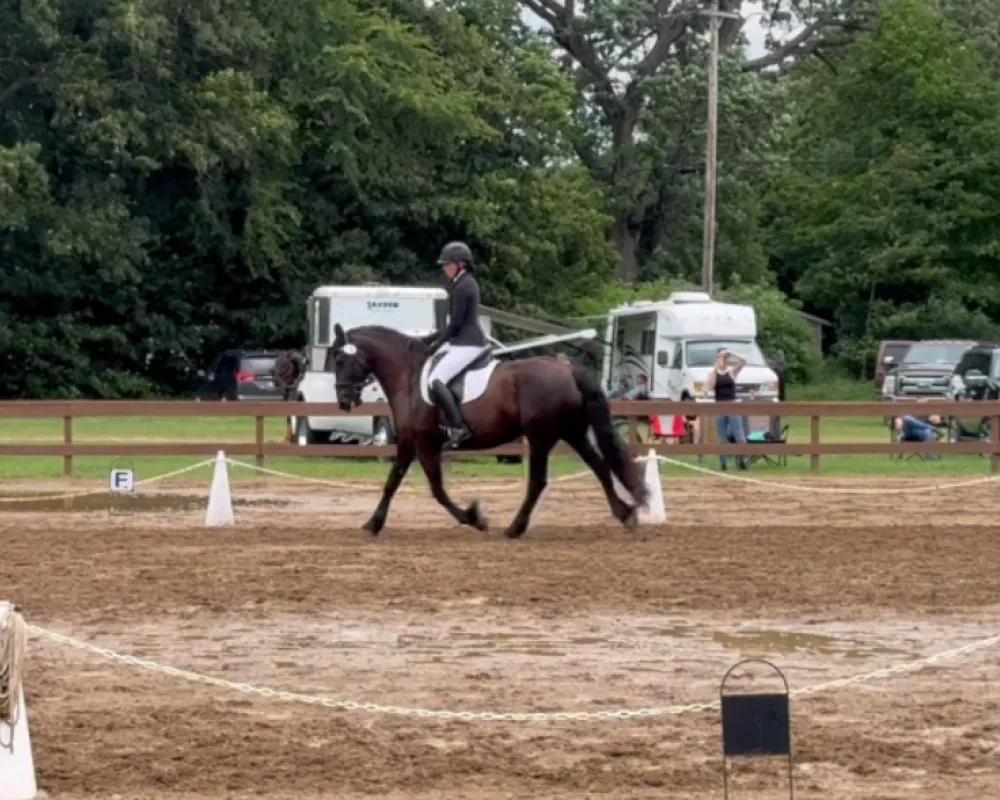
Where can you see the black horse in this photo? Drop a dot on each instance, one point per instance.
(542, 399)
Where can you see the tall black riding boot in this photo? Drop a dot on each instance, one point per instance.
(458, 432)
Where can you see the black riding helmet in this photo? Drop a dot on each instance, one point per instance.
(458, 252)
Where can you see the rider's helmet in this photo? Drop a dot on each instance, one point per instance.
(457, 252)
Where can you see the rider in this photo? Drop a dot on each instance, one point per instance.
(463, 338)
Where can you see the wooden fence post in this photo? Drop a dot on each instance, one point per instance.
(68, 440)
(814, 439)
(994, 440)
(260, 441)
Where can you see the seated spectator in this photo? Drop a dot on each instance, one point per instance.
(621, 391)
(640, 391)
(915, 429)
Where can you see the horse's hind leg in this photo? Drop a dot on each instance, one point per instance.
(538, 470)
(622, 511)
(430, 460)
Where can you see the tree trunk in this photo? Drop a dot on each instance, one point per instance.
(623, 119)
(627, 242)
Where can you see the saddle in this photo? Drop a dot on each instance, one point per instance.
(470, 384)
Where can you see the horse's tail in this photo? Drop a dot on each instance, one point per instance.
(612, 448)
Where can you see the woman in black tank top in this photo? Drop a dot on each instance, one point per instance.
(722, 381)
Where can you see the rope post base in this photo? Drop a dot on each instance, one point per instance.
(17, 766)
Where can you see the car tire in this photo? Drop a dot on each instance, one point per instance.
(985, 429)
(304, 435)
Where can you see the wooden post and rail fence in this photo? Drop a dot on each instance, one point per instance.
(634, 411)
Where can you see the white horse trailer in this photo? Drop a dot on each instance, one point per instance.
(411, 310)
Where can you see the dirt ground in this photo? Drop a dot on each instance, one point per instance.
(580, 615)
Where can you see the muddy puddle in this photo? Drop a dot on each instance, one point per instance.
(753, 642)
(120, 503)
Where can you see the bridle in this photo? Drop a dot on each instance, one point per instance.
(353, 390)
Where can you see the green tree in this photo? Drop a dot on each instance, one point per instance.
(638, 69)
(176, 176)
(888, 204)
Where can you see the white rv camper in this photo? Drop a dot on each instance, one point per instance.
(673, 343)
(414, 311)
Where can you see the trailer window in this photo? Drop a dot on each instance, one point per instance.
(440, 315)
(648, 345)
(321, 322)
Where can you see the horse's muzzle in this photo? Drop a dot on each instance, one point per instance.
(349, 398)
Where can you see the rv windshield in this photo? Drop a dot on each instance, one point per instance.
(702, 354)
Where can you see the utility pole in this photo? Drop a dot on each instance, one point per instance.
(708, 241)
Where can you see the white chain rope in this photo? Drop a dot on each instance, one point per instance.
(361, 485)
(277, 473)
(793, 487)
(94, 492)
(768, 484)
(487, 716)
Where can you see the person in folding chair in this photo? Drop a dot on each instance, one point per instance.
(462, 337)
(914, 429)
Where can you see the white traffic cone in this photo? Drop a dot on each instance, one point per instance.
(220, 501)
(17, 766)
(655, 510)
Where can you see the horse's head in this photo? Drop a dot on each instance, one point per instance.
(352, 369)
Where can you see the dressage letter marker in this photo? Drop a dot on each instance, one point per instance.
(122, 481)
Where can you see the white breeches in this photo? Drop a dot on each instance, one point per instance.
(454, 361)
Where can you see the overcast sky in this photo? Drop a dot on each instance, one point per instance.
(752, 29)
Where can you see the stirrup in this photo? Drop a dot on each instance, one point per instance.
(456, 436)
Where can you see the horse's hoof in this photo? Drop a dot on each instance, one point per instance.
(372, 529)
(476, 517)
(513, 533)
(631, 521)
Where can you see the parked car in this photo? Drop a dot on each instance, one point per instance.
(890, 353)
(927, 368)
(239, 375)
(976, 378)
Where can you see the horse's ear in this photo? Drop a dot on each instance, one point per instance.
(338, 336)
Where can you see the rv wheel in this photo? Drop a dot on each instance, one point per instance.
(383, 435)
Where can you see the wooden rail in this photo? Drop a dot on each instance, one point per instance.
(631, 410)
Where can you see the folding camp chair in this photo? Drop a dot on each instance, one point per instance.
(671, 429)
(769, 430)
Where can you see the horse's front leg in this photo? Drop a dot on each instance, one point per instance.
(404, 457)
(537, 479)
(430, 460)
